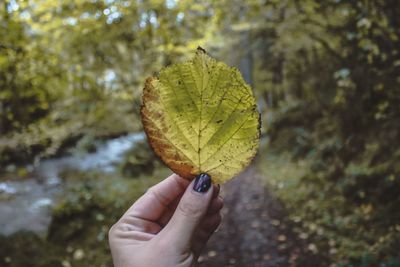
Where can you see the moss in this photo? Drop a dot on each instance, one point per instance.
(139, 160)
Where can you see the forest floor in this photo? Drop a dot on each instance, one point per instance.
(253, 231)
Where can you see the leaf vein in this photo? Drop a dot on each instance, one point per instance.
(225, 121)
(166, 138)
(186, 89)
(227, 139)
(220, 101)
(175, 123)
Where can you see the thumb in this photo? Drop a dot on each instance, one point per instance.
(191, 209)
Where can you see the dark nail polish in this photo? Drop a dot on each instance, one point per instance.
(202, 183)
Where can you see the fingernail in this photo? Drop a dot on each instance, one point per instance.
(202, 183)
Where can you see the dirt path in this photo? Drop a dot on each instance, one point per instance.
(252, 232)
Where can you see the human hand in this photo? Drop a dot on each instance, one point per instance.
(168, 226)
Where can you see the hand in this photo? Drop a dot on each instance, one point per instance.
(168, 226)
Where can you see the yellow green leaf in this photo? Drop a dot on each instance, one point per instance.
(201, 117)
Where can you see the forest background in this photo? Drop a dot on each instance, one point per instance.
(326, 75)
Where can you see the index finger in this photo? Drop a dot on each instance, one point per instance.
(155, 201)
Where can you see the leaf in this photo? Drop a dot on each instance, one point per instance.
(201, 117)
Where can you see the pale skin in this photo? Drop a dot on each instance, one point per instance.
(168, 226)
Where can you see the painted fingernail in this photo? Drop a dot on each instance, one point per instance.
(202, 183)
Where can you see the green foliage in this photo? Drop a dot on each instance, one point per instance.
(65, 126)
(330, 73)
(79, 66)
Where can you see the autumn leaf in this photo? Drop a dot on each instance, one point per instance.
(201, 117)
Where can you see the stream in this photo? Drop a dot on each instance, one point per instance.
(26, 203)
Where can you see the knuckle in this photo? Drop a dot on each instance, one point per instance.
(111, 233)
(189, 210)
(156, 194)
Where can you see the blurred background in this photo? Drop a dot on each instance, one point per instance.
(324, 189)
